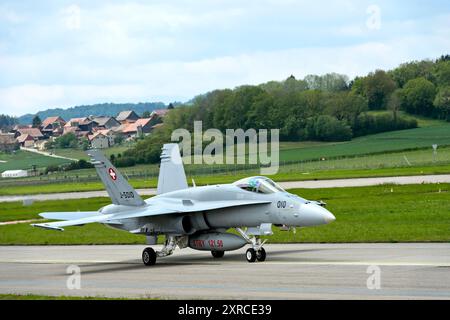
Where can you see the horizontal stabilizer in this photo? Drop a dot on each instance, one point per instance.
(68, 215)
(102, 218)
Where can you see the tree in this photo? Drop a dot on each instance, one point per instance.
(331, 82)
(442, 103)
(146, 114)
(327, 128)
(170, 106)
(417, 96)
(376, 87)
(6, 122)
(68, 140)
(346, 106)
(394, 103)
(442, 71)
(412, 70)
(36, 121)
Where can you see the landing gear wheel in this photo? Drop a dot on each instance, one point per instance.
(261, 255)
(149, 256)
(251, 255)
(217, 254)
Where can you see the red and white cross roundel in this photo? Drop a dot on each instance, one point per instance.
(112, 174)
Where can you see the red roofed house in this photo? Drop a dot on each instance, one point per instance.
(135, 129)
(26, 140)
(157, 115)
(51, 126)
(34, 132)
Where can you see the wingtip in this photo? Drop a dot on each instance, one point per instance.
(46, 226)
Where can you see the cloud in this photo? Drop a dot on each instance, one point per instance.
(58, 55)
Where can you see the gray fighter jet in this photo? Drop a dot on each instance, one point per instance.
(196, 217)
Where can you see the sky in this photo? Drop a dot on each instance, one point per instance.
(67, 53)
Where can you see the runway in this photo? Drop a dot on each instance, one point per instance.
(291, 271)
(308, 184)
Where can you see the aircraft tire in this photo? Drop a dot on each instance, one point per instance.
(251, 255)
(261, 255)
(217, 254)
(149, 256)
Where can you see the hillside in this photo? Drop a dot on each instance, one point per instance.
(105, 109)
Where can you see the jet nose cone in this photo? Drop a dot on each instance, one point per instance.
(328, 216)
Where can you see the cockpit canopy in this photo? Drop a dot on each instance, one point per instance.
(259, 185)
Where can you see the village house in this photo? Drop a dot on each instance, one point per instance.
(26, 140)
(128, 116)
(99, 140)
(33, 132)
(157, 115)
(136, 129)
(52, 126)
(8, 142)
(106, 122)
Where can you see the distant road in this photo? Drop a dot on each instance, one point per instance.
(309, 184)
(47, 154)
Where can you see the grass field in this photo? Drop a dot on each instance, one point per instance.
(406, 152)
(24, 160)
(412, 213)
(289, 173)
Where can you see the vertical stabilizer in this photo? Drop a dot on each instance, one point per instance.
(116, 185)
(171, 172)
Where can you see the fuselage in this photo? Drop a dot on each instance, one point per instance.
(280, 208)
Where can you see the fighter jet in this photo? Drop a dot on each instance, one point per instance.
(195, 217)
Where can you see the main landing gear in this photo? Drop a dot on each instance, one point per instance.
(252, 255)
(149, 255)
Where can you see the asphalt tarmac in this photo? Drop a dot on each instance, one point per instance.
(291, 271)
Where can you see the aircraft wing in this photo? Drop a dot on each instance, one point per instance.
(179, 206)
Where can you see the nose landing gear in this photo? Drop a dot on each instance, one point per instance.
(256, 252)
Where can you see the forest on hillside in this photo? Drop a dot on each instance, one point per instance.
(102, 109)
(325, 108)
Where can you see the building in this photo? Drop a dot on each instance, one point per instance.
(26, 140)
(8, 142)
(138, 128)
(34, 132)
(14, 173)
(81, 127)
(128, 116)
(106, 122)
(51, 126)
(99, 141)
(157, 115)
